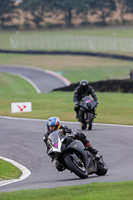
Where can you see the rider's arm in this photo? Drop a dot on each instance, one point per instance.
(93, 94)
(45, 136)
(45, 139)
(76, 97)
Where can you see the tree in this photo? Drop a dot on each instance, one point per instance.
(36, 8)
(125, 6)
(7, 11)
(103, 8)
(67, 6)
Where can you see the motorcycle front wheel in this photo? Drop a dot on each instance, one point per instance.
(79, 170)
(90, 120)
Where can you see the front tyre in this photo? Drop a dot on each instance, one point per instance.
(83, 126)
(82, 120)
(79, 170)
(90, 120)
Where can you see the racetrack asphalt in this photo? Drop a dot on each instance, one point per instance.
(42, 80)
(21, 140)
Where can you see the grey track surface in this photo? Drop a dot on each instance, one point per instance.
(21, 140)
(44, 81)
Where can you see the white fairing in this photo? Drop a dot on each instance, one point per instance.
(57, 147)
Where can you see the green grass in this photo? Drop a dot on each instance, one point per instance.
(95, 191)
(112, 107)
(108, 32)
(8, 171)
(74, 68)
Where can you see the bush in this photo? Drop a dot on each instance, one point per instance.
(26, 25)
(127, 22)
(50, 25)
(117, 22)
(100, 23)
(85, 24)
(10, 27)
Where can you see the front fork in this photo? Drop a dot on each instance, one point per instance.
(83, 118)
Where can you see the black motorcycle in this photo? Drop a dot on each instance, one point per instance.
(86, 112)
(72, 155)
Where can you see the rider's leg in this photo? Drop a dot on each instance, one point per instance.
(76, 109)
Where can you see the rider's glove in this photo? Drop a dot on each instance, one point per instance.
(97, 102)
(66, 129)
(73, 134)
(44, 138)
(76, 103)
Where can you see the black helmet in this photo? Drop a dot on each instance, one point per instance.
(84, 83)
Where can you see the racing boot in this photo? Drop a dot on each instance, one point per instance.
(77, 116)
(93, 151)
(97, 157)
(94, 113)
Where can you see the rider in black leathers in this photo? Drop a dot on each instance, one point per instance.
(84, 89)
(53, 124)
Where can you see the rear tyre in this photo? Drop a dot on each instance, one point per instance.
(101, 168)
(71, 164)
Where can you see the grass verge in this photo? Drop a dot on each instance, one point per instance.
(8, 171)
(95, 191)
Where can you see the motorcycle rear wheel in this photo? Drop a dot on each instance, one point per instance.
(101, 169)
(80, 171)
